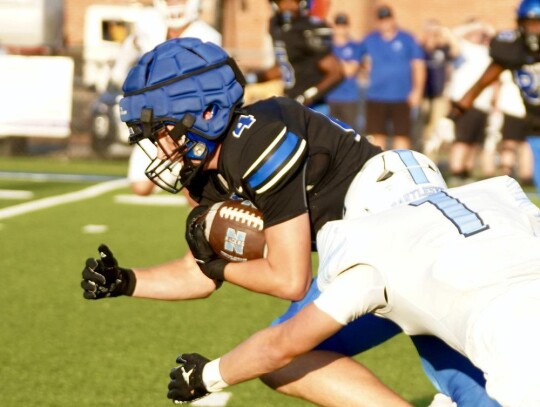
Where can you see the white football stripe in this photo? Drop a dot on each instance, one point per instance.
(44, 203)
(241, 216)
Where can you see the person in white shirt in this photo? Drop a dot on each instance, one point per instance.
(172, 19)
(462, 264)
(470, 130)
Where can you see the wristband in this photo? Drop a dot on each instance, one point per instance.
(456, 111)
(310, 93)
(214, 269)
(308, 96)
(251, 77)
(128, 282)
(211, 377)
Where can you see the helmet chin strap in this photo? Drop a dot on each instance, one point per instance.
(181, 128)
(190, 170)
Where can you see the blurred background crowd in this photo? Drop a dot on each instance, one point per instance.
(62, 64)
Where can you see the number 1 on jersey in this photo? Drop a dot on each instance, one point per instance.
(466, 221)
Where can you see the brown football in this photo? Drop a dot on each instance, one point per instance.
(235, 231)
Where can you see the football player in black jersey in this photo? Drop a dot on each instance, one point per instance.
(303, 54)
(519, 51)
(295, 165)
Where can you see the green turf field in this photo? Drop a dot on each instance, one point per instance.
(61, 350)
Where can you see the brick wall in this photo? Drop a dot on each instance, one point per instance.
(245, 21)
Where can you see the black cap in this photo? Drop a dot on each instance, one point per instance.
(384, 12)
(341, 19)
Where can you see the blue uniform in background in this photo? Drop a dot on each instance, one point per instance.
(345, 99)
(391, 78)
(349, 89)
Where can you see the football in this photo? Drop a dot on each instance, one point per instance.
(235, 230)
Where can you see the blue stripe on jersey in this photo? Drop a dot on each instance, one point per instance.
(272, 165)
(417, 173)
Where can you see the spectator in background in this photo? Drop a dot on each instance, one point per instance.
(396, 81)
(173, 19)
(303, 55)
(470, 128)
(519, 51)
(440, 49)
(515, 153)
(344, 99)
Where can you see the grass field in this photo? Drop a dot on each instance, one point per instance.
(61, 350)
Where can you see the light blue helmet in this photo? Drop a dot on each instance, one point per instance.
(190, 87)
(529, 10)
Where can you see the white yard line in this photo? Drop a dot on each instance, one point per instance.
(49, 202)
(15, 194)
(48, 176)
(156, 200)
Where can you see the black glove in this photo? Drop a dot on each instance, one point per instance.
(456, 111)
(103, 278)
(186, 383)
(209, 262)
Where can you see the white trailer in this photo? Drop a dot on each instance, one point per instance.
(33, 24)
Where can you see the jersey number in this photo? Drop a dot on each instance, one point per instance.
(466, 221)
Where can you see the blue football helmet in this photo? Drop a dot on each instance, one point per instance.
(184, 94)
(529, 10)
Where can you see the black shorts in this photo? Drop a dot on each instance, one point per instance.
(390, 118)
(471, 127)
(514, 128)
(347, 112)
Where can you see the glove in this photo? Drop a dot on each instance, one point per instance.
(456, 111)
(103, 278)
(186, 383)
(209, 262)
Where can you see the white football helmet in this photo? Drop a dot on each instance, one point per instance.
(178, 13)
(389, 179)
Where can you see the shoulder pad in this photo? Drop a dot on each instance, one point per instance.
(315, 20)
(319, 39)
(507, 49)
(281, 157)
(507, 36)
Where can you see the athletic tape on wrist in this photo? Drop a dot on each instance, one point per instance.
(251, 77)
(310, 93)
(211, 377)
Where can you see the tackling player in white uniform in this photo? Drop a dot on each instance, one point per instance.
(462, 264)
(172, 19)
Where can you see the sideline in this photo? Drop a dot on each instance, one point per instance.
(90, 192)
(48, 176)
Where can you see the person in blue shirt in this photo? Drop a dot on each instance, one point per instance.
(396, 80)
(344, 99)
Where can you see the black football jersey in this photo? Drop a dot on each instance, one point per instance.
(298, 48)
(509, 51)
(287, 160)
